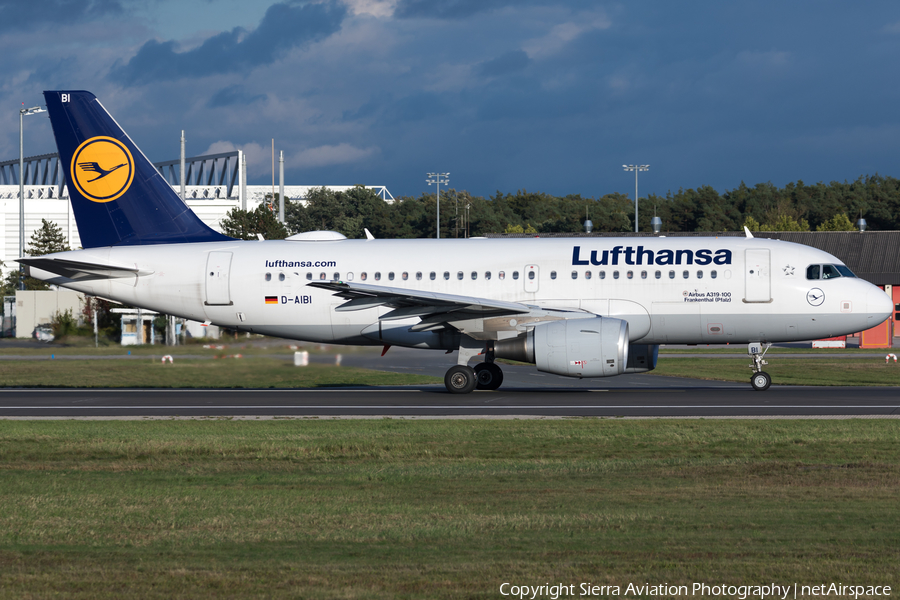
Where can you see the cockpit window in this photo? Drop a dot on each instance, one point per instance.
(846, 272)
(828, 271)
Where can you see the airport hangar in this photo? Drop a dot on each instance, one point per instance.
(214, 184)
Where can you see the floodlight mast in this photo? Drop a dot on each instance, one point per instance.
(438, 178)
(23, 112)
(636, 169)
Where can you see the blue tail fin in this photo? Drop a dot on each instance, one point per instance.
(117, 195)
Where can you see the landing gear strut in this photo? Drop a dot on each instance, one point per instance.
(760, 379)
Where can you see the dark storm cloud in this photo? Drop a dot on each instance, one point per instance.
(282, 28)
(233, 95)
(16, 15)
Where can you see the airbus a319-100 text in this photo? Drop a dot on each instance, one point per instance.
(578, 307)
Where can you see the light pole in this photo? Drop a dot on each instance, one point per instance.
(438, 178)
(23, 112)
(636, 169)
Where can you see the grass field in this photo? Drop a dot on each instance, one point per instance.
(787, 371)
(248, 372)
(440, 509)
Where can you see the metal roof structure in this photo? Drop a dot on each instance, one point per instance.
(872, 255)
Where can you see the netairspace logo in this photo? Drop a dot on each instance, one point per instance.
(741, 592)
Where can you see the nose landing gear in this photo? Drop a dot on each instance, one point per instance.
(760, 379)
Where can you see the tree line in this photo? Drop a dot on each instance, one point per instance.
(764, 207)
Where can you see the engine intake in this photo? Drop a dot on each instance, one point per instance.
(592, 347)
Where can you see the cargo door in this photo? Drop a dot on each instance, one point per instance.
(218, 272)
(757, 276)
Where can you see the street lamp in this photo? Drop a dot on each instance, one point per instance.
(636, 169)
(23, 112)
(438, 178)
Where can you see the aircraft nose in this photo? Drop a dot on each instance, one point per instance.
(878, 305)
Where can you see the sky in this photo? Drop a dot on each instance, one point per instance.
(505, 95)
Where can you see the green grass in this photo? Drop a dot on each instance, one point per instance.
(440, 509)
(787, 371)
(250, 372)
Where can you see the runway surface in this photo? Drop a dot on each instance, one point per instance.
(525, 392)
(733, 401)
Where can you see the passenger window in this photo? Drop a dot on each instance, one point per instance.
(501, 275)
(419, 276)
(336, 277)
(713, 274)
(699, 274)
(474, 275)
(281, 276)
(587, 274)
(515, 274)
(309, 276)
(671, 274)
(363, 276)
(615, 274)
(405, 276)
(686, 274)
(322, 277)
(643, 274)
(531, 275)
(447, 275)
(268, 277)
(552, 274)
(432, 275)
(459, 275)
(391, 276)
(377, 275)
(658, 274)
(630, 274)
(574, 274)
(350, 276)
(602, 274)
(829, 272)
(487, 274)
(812, 272)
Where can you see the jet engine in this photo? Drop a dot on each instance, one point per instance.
(592, 347)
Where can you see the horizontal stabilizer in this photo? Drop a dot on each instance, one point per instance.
(81, 271)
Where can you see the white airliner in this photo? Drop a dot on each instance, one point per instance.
(579, 307)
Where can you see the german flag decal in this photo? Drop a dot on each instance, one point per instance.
(271, 299)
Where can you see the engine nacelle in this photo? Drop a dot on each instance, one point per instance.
(593, 347)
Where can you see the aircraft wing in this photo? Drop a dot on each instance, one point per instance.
(79, 270)
(412, 303)
(479, 318)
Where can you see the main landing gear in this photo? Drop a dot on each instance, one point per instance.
(760, 379)
(462, 379)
